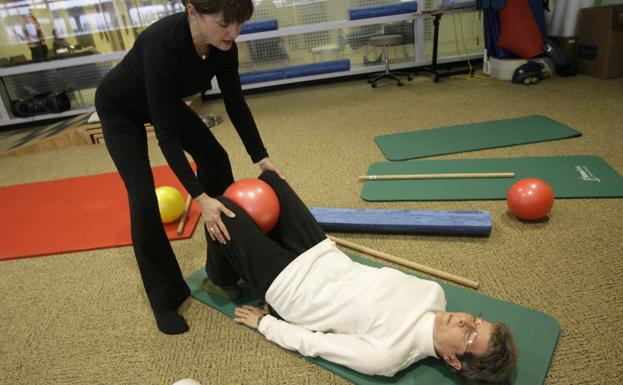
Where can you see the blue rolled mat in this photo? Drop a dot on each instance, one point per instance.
(253, 26)
(382, 10)
(457, 5)
(317, 68)
(403, 221)
(295, 71)
(262, 76)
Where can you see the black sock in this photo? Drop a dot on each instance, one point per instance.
(169, 322)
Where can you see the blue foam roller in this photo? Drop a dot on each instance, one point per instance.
(477, 223)
(262, 76)
(317, 68)
(253, 26)
(382, 10)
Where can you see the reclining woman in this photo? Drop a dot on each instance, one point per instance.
(323, 304)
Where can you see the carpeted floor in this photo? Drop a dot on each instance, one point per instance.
(83, 318)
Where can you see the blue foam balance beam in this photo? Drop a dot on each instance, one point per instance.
(476, 223)
(382, 10)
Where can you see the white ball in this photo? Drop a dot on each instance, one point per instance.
(186, 381)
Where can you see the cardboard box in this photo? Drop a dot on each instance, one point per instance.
(600, 42)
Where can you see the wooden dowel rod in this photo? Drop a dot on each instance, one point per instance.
(180, 227)
(406, 263)
(440, 176)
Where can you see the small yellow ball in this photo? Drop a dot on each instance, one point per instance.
(170, 203)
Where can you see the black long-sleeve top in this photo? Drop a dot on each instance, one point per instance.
(160, 70)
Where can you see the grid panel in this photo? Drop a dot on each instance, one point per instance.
(86, 76)
(312, 47)
(428, 22)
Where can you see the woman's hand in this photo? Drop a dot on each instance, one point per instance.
(211, 210)
(249, 315)
(267, 164)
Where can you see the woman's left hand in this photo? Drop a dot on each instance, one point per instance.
(267, 164)
(249, 315)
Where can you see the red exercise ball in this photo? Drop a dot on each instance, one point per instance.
(530, 199)
(258, 199)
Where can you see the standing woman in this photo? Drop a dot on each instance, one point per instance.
(34, 37)
(173, 58)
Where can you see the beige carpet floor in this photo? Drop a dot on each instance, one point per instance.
(82, 318)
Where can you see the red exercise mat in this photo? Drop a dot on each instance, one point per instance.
(75, 214)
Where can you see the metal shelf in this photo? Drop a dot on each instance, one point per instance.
(72, 112)
(62, 63)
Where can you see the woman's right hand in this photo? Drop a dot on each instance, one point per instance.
(211, 210)
(249, 315)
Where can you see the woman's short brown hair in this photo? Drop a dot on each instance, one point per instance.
(497, 365)
(234, 11)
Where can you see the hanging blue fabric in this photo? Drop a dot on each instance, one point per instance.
(493, 4)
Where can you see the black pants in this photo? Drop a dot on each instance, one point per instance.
(126, 141)
(254, 256)
(39, 53)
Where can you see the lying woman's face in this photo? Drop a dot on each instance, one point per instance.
(460, 333)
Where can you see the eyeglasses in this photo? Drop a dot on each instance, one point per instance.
(471, 334)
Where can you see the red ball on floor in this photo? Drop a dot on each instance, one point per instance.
(258, 199)
(530, 199)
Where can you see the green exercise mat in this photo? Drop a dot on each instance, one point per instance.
(536, 334)
(473, 136)
(569, 177)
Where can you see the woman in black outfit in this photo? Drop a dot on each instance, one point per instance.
(174, 58)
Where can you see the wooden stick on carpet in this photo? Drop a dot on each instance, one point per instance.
(406, 263)
(180, 227)
(440, 176)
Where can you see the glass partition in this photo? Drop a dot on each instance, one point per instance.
(74, 43)
(40, 30)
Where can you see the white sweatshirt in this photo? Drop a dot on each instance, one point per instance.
(375, 321)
